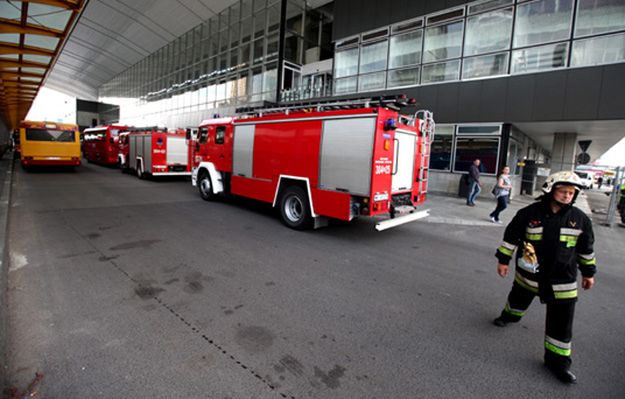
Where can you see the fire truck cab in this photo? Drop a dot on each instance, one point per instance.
(332, 160)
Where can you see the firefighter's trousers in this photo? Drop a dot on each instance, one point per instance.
(558, 325)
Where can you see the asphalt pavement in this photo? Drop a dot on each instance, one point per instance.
(119, 287)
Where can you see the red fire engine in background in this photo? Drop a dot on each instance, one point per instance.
(335, 160)
(100, 144)
(155, 152)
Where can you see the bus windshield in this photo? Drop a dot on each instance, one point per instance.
(50, 135)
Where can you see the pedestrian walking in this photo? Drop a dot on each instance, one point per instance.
(599, 181)
(474, 182)
(502, 190)
(553, 238)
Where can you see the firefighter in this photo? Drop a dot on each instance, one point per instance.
(553, 238)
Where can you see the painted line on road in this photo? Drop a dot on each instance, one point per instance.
(147, 292)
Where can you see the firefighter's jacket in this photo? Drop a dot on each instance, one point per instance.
(562, 242)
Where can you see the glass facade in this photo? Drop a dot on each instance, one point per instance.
(232, 59)
(483, 39)
(227, 61)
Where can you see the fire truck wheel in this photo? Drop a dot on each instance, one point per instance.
(140, 173)
(205, 185)
(295, 209)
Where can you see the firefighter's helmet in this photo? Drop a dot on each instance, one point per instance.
(564, 177)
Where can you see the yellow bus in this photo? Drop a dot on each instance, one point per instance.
(49, 143)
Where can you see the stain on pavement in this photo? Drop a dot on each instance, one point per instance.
(332, 377)
(134, 244)
(254, 339)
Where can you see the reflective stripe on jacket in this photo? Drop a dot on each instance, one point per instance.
(562, 241)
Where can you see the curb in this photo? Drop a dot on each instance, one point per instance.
(5, 198)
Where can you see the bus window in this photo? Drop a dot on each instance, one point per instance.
(50, 135)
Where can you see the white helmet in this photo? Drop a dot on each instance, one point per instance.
(564, 177)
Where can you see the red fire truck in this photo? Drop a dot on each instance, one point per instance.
(100, 144)
(155, 152)
(334, 160)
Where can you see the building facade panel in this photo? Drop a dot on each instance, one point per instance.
(468, 102)
(492, 100)
(549, 95)
(612, 98)
(582, 93)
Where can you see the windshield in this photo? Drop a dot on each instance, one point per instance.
(66, 136)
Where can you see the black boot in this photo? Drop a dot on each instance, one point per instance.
(500, 322)
(562, 374)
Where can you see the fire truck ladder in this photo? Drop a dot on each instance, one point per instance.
(148, 129)
(393, 102)
(427, 127)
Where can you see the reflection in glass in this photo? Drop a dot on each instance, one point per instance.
(441, 72)
(599, 16)
(540, 58)
(346, 63)
(469, 149)
(443, 42)
(373, 57)
(440, 150)
(542, 21)
(488, 32)
(345, 85)
(598, 50)
(403, 77)
(372, 81)
(484, 66)
(405, 49)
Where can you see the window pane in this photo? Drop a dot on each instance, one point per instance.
(469, 149)
(542, 21)
(443, 42)
(345, 85)
(539, 58)
(599, 50)
(373, 57)
(599, 16)
(440, 150)
(403, 77)
(488, 5)
(270, 80)
(346, 63)
(488, 65)
(441, 72)
(372, 81)
(488, 32)
(405, 49)
(479, 129)
(514, 156)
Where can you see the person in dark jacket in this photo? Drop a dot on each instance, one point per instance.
(474, 182)
(553, 238)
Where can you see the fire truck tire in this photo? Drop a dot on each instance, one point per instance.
(205, 186)
(295, 209)
(140, 173)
